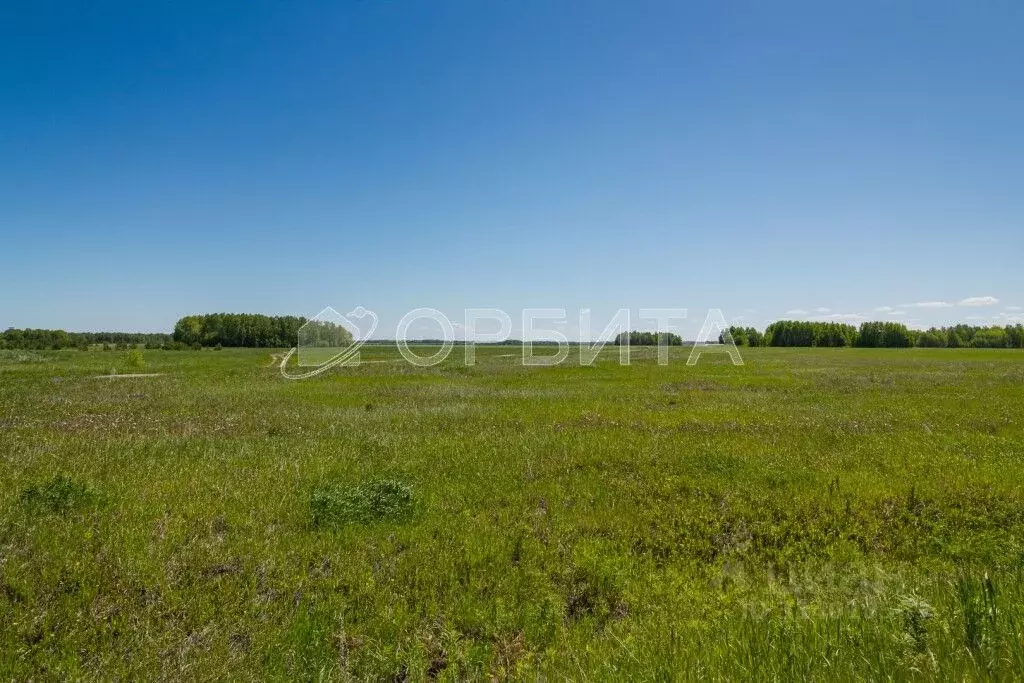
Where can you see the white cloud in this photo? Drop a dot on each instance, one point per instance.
(1014, 309)
(897, 313)
(979, 301)
(822, 309)
(842, 317)
(976, 317)
(883, 309)
(928, 304)
(1007, 318)
(796, 311)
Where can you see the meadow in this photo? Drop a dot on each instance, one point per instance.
(824, 514)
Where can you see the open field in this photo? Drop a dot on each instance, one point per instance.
(816, 513)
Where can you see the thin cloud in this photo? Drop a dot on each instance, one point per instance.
(979, 301)
(1008, 318)
(883, 309)
(928, 304)
(897, 313)
(1014, 309)
(842, 317)
(796, 311)
(822, 309)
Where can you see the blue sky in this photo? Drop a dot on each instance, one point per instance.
(840, 159)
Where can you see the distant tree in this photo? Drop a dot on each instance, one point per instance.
(807, 333)
(736, 335)
(636, 338)
(59, 339)
(885, 334)
(990, 338)
(1015, 336)
(933, 338)
(324, 334)
(238, 329)
(742, 336)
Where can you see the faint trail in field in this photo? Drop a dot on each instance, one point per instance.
(131, 374)
(326, 366)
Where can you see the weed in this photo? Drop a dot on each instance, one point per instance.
(61, 494)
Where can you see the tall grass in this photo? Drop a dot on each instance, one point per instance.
(814, 514)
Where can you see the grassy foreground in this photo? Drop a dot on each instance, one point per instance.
(827, 514)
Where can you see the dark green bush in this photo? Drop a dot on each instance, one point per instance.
(61, 494)
(375, 500)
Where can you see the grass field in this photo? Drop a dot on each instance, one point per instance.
(826, 514)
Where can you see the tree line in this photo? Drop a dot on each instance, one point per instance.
(324, 334)
(634, 338)
(254, 330)
(876, 335)
(192, 331)
(238, 329)
(39, 340)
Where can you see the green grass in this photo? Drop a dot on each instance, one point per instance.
(814, 514)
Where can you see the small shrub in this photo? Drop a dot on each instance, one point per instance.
(376, 500)
(917, 615)
(61, 494)
(134, 359)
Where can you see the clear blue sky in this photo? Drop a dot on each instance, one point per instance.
(766, 158)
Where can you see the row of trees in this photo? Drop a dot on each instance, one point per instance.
(252, 330)
(59, 339)
(635, 338)
(875, 335)
(324, 334)
(238, 329)
(794, 333)
(743, 336)
(967, 336)
(886, 335)
(193, 331)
